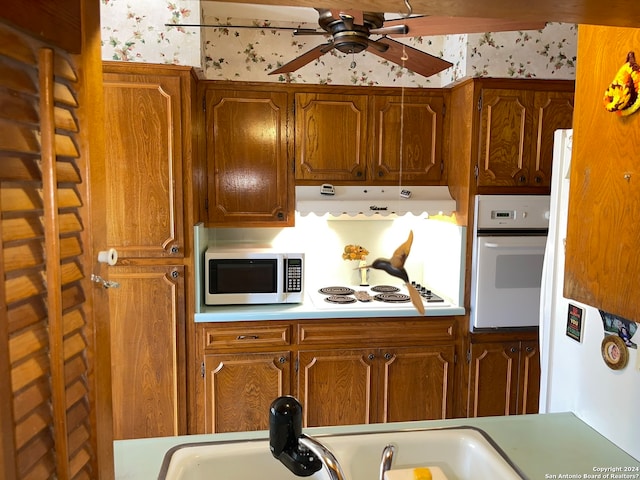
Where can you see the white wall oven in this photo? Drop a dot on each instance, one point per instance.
(510, 235)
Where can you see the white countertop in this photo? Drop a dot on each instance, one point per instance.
(542, 446)
(307, 310)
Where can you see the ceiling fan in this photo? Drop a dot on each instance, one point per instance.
(350, 32)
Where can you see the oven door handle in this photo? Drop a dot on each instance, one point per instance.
(503, 245)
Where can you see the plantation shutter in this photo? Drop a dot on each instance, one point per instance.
(45, 329)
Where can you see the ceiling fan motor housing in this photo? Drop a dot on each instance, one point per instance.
(349, 37)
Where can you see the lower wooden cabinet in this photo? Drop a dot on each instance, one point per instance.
(239, 388)
(504, 378)
(344, 372)
(358, 386)
(147, 314)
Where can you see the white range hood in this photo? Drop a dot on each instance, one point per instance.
(373, 201)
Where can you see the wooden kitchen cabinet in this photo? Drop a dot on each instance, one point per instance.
(249, 156)
(240, 387)
(148, 147)
(603, 232)
(246, 366)
(147, 312)
(331, 135)
(357, 386)
(143, 161)
(516, 136)
(415, 156)
(350, 137)
(345, 382)
(504, 378)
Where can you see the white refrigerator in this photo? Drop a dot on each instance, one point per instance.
(575, 377)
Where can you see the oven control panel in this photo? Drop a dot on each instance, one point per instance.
(521, 212)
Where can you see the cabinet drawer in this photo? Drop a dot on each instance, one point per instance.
(376, 333)
(246, 337)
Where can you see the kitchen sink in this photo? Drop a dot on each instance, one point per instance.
(461, 453)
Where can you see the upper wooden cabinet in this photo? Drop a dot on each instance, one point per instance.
(603, 232)
(331, 136)
(144, 162)
(249, 172)
(407, 139)
(374, 138)
(516, 136)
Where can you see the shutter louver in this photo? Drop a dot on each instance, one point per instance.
(44, 328)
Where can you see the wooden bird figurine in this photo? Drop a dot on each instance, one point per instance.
(395, 266)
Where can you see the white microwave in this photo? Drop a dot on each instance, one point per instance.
(253, 276)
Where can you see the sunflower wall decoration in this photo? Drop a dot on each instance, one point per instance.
(622, 97)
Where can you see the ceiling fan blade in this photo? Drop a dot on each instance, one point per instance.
(417, 61)
(433, 25)
(306, 31)
(302, 31)
(304, 59)
(399, 29)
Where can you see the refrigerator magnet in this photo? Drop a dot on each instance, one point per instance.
(614, 352)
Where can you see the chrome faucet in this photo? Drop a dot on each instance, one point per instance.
(300, 453)
(387, 459)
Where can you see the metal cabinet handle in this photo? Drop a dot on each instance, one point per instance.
(388, 356)
(529, 349)
(513, 349)
(371, 356)
(175, 249)
(247, 337)
(282, 360)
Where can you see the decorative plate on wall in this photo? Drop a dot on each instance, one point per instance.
(614, 352)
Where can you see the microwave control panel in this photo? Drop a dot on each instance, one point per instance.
(294, 275)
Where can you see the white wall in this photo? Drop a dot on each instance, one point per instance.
(434, 261)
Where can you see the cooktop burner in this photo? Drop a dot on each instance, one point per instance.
(336, 291)
(341, 299)
(385, 289)
(392, 297)
(376, 297)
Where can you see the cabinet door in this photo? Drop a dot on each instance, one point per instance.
(529, 388)
(240, 387)
(147, 353)
(603, 232)
(505, 138)
(250, 179)
(493, 382)
(407, 136)
(416, 383)
(336, 387)
(331, 136)
(143, 163)
(554, 110)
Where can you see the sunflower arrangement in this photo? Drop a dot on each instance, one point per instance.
(354, 252)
